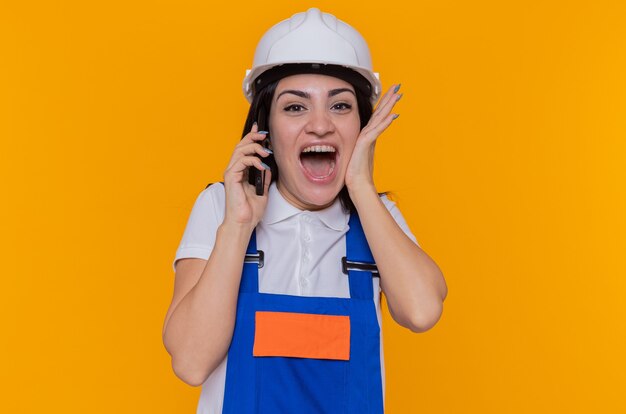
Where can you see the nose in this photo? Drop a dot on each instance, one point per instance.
(319, 123)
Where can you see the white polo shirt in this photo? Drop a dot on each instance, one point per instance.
(303, 251)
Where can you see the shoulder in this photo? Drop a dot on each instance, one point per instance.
(205, 217)
(213, 196)
(209, 206)
(214, 189)
(391, 205)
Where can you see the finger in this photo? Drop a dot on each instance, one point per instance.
(248, 149)
(382, 117)
(387, 95)
(381, 126)
(253, 148)
(385, 105)
(253, 136)
(245, 162)
(384, 99)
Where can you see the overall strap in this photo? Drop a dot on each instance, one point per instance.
(357, 250)
(254, 260)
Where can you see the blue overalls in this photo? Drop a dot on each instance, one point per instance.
(284, 384)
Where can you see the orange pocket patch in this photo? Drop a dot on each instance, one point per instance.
(302, 335)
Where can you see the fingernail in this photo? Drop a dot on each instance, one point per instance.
(254, 123)
(399, 96)
(267, 167)
(395, 116)
(269, 151)
(397, 88)
(263, 132)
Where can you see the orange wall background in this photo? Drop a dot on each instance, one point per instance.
(507, 161)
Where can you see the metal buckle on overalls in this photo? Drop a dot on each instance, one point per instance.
(359, 266)
(255, 258)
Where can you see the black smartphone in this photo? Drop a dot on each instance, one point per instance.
(256, 177)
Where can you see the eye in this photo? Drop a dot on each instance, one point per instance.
(342, 106)
(294, 108)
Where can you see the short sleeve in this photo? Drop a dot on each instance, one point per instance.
(397, 216)
(206, 216)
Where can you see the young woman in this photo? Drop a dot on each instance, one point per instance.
(276, 305)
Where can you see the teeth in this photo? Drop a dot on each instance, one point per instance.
(319, 148)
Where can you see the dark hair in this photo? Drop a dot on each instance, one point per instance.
(262, 102)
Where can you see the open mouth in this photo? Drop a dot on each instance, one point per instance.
(319, 160)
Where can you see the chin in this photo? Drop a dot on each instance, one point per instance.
(309, 195)
(321, 197)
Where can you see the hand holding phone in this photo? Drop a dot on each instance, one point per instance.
(256, 177)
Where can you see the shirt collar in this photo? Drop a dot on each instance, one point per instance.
(279, 209)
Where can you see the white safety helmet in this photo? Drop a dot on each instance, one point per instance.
(312, 37)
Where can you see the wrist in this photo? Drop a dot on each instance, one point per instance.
(362, 193)
(235, 230)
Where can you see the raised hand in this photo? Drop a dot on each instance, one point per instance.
(243, 206)
(359, 174)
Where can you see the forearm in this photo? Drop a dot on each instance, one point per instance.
(200, 329)
(412, 282)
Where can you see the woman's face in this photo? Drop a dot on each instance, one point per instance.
(314, 124)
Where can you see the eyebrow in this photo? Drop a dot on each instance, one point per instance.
(306, 95)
